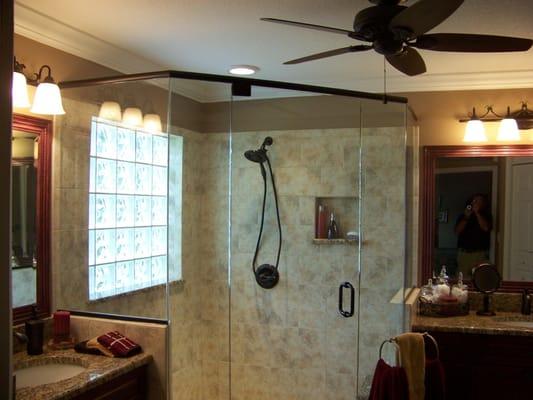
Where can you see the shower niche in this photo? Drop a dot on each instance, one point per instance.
(344, 210)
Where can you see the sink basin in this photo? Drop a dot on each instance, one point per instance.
(516, 321)
(35, 375)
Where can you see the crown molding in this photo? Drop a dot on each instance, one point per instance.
(444, 82)
(51, 32)
(54, 33)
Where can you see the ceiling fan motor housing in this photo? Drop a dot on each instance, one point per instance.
(372, 24)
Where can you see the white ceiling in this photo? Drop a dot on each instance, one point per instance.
(210, 35)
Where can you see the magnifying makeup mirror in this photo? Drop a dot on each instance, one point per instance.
(487, 280)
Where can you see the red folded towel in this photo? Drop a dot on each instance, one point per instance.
(118, 344)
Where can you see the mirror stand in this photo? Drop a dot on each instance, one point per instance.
(486, 311)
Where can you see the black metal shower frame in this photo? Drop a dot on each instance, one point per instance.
(240, 86)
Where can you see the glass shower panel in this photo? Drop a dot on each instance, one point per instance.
(198, 176)
(383, 225)
(109, 234)
(290, 341)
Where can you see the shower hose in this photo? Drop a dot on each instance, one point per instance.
(267, 275)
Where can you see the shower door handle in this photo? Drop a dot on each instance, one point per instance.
(344, 313)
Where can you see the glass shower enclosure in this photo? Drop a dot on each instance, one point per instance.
(193, 227)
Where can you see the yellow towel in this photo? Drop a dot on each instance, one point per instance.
(94, 344)
(413, 360)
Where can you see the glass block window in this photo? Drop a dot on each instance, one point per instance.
(128, 206)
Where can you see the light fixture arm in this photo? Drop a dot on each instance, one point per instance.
(18, 67)
(39, 76)
(524, 112)
(489, 114)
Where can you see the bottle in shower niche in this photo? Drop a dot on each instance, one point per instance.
(333, 230)
(322, 222)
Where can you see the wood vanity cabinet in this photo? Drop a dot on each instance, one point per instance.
(486, 366)
(130, 386)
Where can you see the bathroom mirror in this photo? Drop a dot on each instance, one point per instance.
(30, 216)
(477, 207)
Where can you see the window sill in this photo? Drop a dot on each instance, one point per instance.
(147, 289)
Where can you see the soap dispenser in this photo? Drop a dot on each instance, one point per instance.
(35, 332)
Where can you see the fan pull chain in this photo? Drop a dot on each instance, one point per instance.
(384, 80)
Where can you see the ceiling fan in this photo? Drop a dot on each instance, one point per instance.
(396, 31)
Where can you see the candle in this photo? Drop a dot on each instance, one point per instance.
(61, 325)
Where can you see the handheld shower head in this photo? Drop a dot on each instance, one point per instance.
(258, 156)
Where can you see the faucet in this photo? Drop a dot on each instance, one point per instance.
(20, 336)
(526, 302)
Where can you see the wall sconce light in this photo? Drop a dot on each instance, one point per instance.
(509, 125)
(110, 110)
(132, 116)
(19, 91)
(475, 131)
(47, 99)
(152, 123)
(508, 130)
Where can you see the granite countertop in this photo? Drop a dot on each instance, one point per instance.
(100, 369)
(472, 323)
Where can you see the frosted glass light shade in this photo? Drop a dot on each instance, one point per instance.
(47, 100)
(110, 110)
(475, 131)
(152, 123)
(508, 130)
(19, 92)
(132, 116)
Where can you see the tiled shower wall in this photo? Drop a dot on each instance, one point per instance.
(199, 311)
(290, 342)
(69, 246)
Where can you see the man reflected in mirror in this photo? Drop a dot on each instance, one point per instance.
(473, 228)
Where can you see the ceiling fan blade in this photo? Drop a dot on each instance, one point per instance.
(424, 15)
(308, 26)
(409, 61)
(329, 53)
(471, 43)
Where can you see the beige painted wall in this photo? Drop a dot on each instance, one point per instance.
(438, 112)
(64, 66)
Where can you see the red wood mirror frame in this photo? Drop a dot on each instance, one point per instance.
(43, 128)
(427, 199)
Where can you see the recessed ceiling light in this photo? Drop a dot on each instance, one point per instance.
(243, 69)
